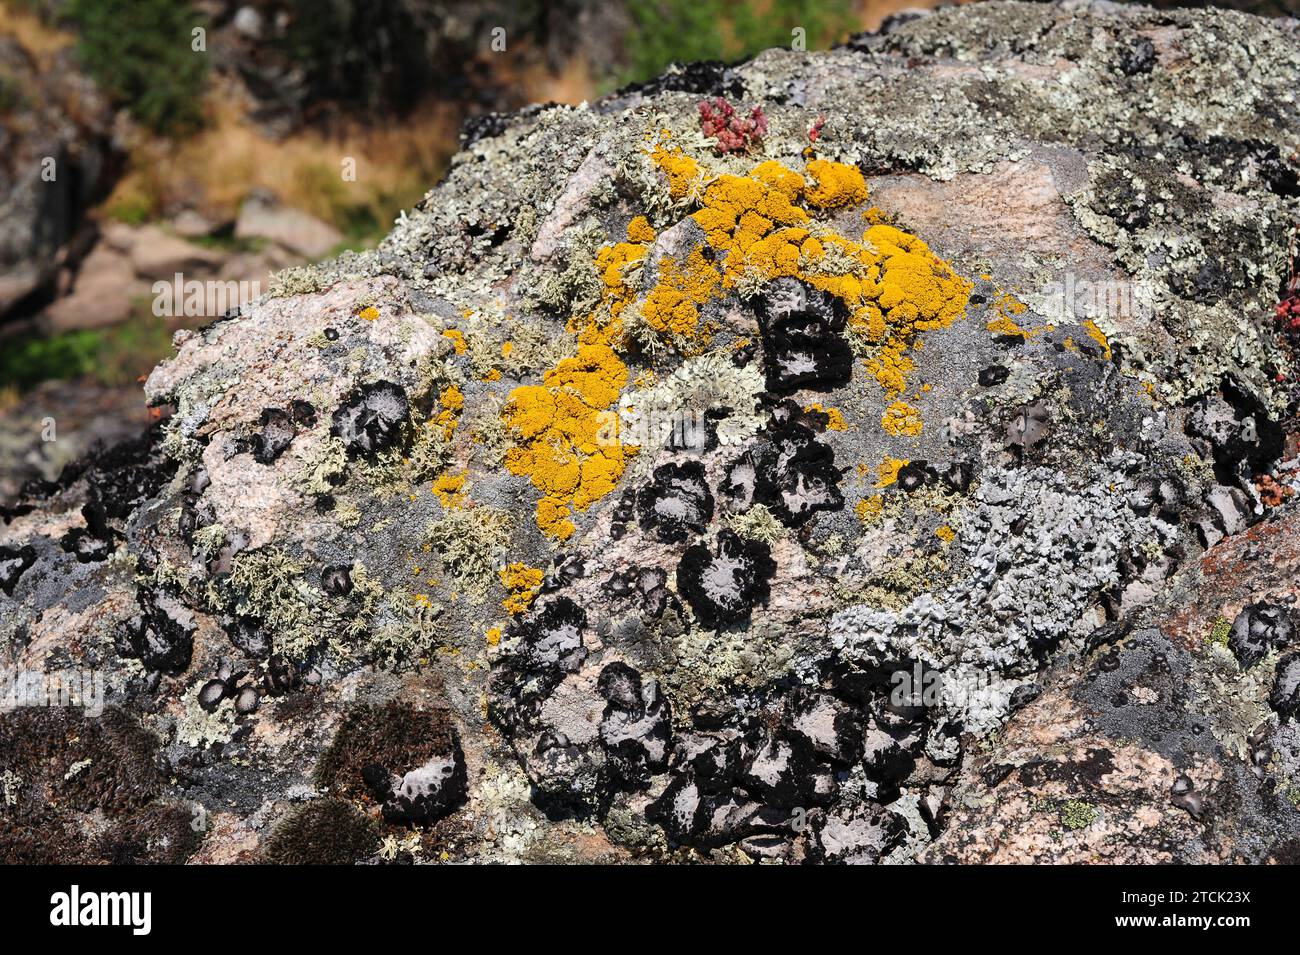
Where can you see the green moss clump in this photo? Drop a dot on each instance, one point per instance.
(1077, 814)
(1220, 631)
(140, 54)
(159, 835)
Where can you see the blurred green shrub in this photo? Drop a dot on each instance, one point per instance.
(687, 30)
(139, 52)
(112, 356)
(11, 94)
(364, 54)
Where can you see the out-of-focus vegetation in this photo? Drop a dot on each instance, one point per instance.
(667, 31)
(382, 66)
(113, 356)
(139, 52)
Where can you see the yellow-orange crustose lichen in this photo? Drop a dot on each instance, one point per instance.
(870, 508)
(640, 230)
(369, 313)
(888, 471)
(834, 417)
(450, 403)
(835, 185)
(673, 306)
(457, 339)
(682, 171)
(522, 584)
(1005, 307)
(1097, 335)
(450, 489)
(561, 447)
(757, 228)
(901, 419)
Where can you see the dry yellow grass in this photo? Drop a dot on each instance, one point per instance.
(572, 85)
(214, 170)
(38, 39)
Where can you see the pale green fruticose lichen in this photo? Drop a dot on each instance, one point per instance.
(199, 728)
(1236, 702)
(757, 524)
(470, 542)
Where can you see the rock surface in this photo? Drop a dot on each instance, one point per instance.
(915, 485)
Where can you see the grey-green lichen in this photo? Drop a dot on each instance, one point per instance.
(1235, 701)
(470, 543)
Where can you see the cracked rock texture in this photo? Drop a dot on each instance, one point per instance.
(915, 486)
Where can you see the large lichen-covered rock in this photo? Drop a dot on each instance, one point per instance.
(863, 495)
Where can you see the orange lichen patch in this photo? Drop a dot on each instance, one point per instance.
(913, 291)
(902, 420)
(836, 185)
(507, 348)
(1005, 307)
(755, 228)
(640, 230)
(493, 636)
(522, 583)
(834, 418)
(682, 171)
(493, 374)
(748, 218)
(876, 216)
(890, 365)
(891, 282)
(451, 398)
(945, 533)
(888, 471)
(776, 176)
(457, 339)
(612, 262)
(869, 508)
(1097, 335)
(450, 490)
(673, 306)
(369, 313)
(553, 518)
(563, 434)
(450, 403)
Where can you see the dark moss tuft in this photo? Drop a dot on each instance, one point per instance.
(395, 736)
(325, 832)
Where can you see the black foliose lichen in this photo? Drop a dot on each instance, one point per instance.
(161, 634)
(1259, 627)
(676, 502)
(792, 473)
(804, 346)
(722, 587)
(372, 419)
(14, 562)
